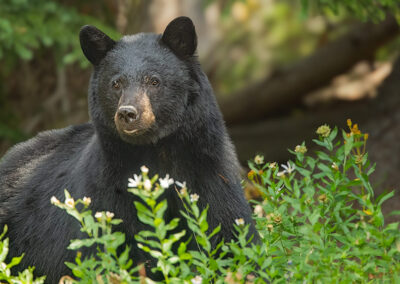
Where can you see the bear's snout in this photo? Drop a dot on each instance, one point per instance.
(127, 114)
(135, 116)
(126, 119)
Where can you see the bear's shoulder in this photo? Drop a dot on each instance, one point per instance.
(42, 145)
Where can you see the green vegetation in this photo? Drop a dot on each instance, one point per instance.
(24, 277)
(364, 10)
(26, 26)
(318, 220)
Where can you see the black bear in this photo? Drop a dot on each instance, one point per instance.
(150, 104)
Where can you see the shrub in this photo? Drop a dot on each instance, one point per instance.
(318, 220)
(24, 277)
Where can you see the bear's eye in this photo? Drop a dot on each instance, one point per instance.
(116, 85)
(155, 82)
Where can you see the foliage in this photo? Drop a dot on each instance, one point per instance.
(324, 224)
(24, 277)
(318, 222)
(108, 263)
(26, 26)
(364, 10)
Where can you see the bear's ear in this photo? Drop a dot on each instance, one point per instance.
(180, 36)
(94, 43)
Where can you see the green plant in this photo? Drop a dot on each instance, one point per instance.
(24, 277)
(26, 26)
(107, 264)
(318, 220)
(364, 10)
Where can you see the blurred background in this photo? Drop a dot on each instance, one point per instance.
(279, 69)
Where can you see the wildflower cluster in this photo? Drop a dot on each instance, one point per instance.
(323, 219)
(317, 219)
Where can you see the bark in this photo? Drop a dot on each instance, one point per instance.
(288, 86)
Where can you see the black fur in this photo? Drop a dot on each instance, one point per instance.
(188, 140)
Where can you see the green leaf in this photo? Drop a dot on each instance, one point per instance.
(144, 214)
(76, 244)
(15, 261)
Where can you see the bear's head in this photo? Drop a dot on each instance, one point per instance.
(142, 84)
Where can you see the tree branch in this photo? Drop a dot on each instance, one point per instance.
(291, 84)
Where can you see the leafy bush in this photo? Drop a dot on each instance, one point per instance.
(363, 10)
(318, 221)
(24, 277)
(26, 26)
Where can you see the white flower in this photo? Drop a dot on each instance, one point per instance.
(272, 165)
(279, 189)
(334, 166)
(147, 184)
(197, 280)
(70, 202)
(194, 197)
(181, 184)
(98, 215)
(109, 215)
(289, 168)
(54, 200)
(87, 200)
(259, 159)
(280, 174)
(135, 181)
(166, 182)
(144, 169)
(258, 210)
(239, 222)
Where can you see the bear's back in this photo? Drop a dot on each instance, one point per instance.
(22, 161)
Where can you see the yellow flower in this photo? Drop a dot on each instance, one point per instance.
(272, 165)
(367, 211)
(349, 123)
(277, 219)
(251, 174)
(323, 198)
(324, 130)
(355, 129)
(302, 149)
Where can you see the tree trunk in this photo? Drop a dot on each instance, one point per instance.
(288, 86)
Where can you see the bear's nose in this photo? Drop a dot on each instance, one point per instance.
(127, 114)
